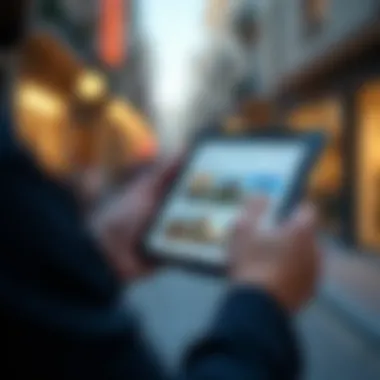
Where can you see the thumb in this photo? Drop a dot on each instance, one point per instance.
(164, 173)
(304, 221)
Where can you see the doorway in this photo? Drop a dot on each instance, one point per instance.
(326, 181)
(368, 150)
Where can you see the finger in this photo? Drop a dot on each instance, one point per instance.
(162, 174)
(248, 220)
(307, 217)
(144, 209)
(166, 172)
(255, 210)
(304, 221)
(154, 184)
(302, 231)
(238, 228)
(128, 266)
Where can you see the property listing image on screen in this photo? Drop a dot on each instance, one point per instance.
(196, 221)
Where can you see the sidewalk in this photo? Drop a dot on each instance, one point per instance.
(175, 307)
(352, 287)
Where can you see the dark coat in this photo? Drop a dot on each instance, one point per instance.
(60, 307)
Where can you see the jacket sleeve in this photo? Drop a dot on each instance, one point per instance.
(62, 314)
(252, 338)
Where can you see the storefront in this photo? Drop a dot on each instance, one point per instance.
(368, 148)
(326, 181)
(41, 116)
(63, 108)
(344, 102)
(48, 73)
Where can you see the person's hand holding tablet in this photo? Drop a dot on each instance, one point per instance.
(283, 261)
(193, 223)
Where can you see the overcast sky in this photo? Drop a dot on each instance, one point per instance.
(175, 31)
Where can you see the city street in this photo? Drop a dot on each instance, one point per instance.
(176, 307)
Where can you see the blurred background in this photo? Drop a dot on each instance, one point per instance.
(139, 78)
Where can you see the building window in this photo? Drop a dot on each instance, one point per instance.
(368, 173)
(314, 14)
(326, 181)
(216, 14)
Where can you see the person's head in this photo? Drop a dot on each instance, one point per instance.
(14, 24)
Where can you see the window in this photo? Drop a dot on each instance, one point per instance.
(216, 13)
(314, 13)
(245, 24)
(326, 181)
(368, 174)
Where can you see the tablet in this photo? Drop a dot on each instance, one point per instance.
(220, 174)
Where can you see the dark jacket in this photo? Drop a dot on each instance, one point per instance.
(61, 315)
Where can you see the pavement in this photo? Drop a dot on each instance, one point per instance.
(338, 331)
(351, 286)
(333, 350)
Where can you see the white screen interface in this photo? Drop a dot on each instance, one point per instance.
(195, 223)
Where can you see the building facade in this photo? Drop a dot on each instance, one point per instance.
(66, 95)
(322, 66)
(225, 67)
(79, 24)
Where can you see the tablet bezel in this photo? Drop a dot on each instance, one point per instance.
(314, 140)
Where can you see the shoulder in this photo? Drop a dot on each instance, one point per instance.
(10, 147)
(6, 138)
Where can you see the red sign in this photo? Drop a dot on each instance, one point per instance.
(113, 32)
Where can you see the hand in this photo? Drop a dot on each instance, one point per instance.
(121, 225)
(284, 261)
(89, 187)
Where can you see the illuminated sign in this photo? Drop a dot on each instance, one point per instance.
(113, 32)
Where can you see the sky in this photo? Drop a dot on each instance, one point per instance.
(174, 28)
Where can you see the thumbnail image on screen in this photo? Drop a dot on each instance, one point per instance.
(213, 189)
(232, 190)
(196, 230)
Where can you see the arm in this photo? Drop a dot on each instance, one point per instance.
(62, 314)
(251, 339)
(61, 298)
(61, 307)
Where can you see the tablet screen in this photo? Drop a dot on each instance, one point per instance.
(196, 219)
